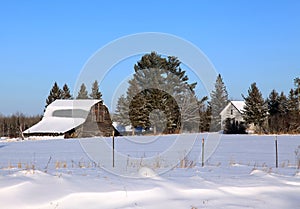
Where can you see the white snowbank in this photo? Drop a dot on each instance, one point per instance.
(240, 174)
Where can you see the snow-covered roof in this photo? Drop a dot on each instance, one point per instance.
(63, 115)
(239, 105)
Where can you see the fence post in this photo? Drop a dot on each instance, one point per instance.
(113, 145)
(202, 152)
(276, 149)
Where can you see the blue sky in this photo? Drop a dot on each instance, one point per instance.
(46, 41)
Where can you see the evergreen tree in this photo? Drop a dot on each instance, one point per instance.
(82, 94)
(255, 109)
(296, 113)
(274, 112)
(234, 127)
(160, 84)
(205, 115)
(55, 93)
(65, 94)
(293, 112)
(219, 100)
(96, 94)
(122, 116)
(134, 105)
(283, 112)
(297, 91)
(277, 113)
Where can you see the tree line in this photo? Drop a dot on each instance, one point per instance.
(57, 93)
(277, 114)
(12, 126)
(160, 97)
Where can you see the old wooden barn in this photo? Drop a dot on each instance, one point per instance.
(74, 118)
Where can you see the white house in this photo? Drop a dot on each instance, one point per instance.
(233, 110)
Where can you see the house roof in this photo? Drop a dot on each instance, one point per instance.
(63, 115)
(239, 105)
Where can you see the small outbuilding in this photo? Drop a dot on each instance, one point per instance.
(233, 110)
(74, 118)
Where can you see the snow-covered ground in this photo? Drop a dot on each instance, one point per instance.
(239, 173)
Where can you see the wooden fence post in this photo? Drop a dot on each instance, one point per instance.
(276, 148)
(113, 145)
(203, 152)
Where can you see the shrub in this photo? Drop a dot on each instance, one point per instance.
(234, 127)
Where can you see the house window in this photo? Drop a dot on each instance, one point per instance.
(231, 112)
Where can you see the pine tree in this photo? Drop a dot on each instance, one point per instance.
(234, 127)
(277, 112)
(274, 112)
(205, 115)
(219, 100)
(55, 93)
(65, 94)
(293, 112)
(121, 115)
(160, 83)
(96, 94)
(82, 94)
(297, 91)
(297, 84)
(283, 112)
(134, 106)
(255, 109)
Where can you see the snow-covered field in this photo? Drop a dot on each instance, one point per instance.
(239, 173)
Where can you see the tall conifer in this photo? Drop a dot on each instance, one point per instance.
(255, 109)
(96, 94)
(219, 100)
(55, 93)
(65, 93)
(82, 94)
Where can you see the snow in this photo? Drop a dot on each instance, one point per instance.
(240, 173)
(122, 128)
(239, 105)
(55, 125)
(62, 116)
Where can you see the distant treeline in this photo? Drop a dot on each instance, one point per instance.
(13, 126)
(179, 108)
(57, 93)
(277, 114)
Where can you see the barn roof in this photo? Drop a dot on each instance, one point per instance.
(63, 115)
(239, 105)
